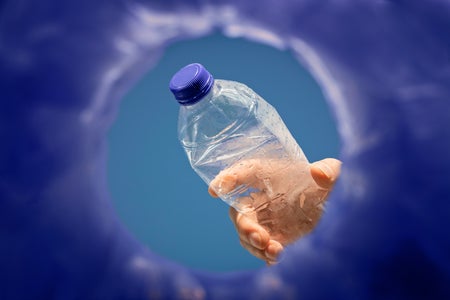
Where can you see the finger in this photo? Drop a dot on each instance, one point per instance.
(242, 173)
(273, 250)
(261, 254)
(254, 251)
(269, 255)
(249, 230)
(325, 172)
(233, 214)
(212, 192)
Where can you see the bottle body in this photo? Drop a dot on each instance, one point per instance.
(238, 144)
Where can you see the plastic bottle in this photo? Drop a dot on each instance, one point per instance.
(238, 144)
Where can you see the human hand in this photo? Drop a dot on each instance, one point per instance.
(256, 238)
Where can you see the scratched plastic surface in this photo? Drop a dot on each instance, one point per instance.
(239, 145)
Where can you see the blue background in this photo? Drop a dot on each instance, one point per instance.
(156, 193)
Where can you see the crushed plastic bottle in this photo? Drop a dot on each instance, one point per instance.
(238, 144)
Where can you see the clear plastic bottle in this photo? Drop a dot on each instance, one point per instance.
(238, 144)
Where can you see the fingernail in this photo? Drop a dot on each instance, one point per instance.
(227, 184)
(255, 239)
(326, 170)
(272, 252)
(271, 263)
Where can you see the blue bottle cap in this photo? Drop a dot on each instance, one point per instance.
(191, 83)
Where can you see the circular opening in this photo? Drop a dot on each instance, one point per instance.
(156, 193)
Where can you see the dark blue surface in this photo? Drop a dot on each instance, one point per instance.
(385, 68)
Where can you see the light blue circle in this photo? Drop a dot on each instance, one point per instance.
(157, 194)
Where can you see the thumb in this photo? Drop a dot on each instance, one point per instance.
(326, 171)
